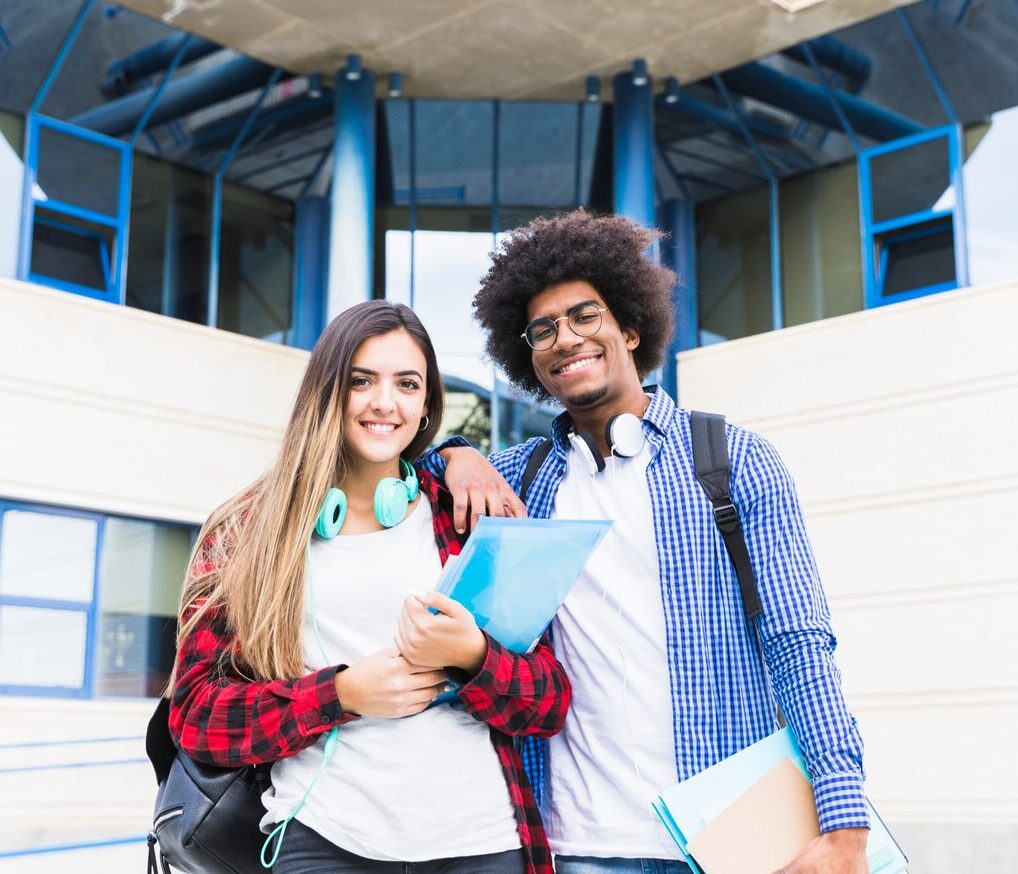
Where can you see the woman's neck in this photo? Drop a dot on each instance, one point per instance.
(359, 487)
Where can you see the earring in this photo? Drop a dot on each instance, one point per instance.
(424, 427)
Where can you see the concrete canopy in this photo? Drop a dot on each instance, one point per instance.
(510, 49)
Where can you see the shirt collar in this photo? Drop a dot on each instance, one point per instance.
(656, 420)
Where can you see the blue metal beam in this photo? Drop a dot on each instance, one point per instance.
(58, 61)
(216, 221)
(192, 92)
(930, 70)
(281, 162)
(809, 101)
(832, 96)
(835, 55)
(175, 62)
(721, 120)
(291, 114)
(122, 74)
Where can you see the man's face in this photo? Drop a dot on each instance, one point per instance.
(583, 372)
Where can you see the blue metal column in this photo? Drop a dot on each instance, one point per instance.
(679, 253)
(633, 146)
(351, 243)
(310, 269)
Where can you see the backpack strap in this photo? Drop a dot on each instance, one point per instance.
(534, 463)
(713, 472)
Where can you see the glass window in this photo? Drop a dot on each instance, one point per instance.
(141, 576)
(256, 264)
(917, 257)
(78, 171)
(734, 266)
(43, 555)
(821, 273)
(42, 647)
(910, 180)
(72, 250)
(78, 228)
(168, 259)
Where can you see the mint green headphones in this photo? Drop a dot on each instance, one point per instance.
(392, 497)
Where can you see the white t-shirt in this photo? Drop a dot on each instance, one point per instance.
(616, 751)
(424, 787)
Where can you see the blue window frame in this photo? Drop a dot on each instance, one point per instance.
(48, 600)
(912, 215)
(92, 237)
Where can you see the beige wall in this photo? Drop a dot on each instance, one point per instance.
(111, 408)
(900, 426)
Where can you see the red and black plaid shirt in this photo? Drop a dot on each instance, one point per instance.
(217, 716)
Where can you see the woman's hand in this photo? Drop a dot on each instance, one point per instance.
(387, 685)
(447, 639)
(477, 489)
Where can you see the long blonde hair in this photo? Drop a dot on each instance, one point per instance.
(249, 560)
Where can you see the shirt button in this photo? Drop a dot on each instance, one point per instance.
(560, 471)
(326, 719)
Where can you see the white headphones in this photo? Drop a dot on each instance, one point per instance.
(623, 434)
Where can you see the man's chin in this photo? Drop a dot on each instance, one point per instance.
(585, 399)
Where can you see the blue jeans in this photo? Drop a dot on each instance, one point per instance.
(592, 865)
(305, 851)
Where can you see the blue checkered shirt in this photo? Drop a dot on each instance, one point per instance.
(723, 694)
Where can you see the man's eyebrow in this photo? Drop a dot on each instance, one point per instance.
(369, 372)
(575, 306)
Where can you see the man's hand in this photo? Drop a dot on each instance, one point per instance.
(842, 851)
(387, 685)
(447, 639)
(477, 488)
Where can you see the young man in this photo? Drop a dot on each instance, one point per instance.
(667, 674)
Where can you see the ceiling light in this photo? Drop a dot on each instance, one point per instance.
(395, 84)
(353, 67)
(672, 90)
(640, 75)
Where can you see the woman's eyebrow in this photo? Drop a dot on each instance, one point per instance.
(369, 372)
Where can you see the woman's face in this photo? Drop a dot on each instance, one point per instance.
(386, 400)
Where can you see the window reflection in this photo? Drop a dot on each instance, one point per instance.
(140, 583)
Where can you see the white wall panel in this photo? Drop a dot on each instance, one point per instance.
(119, 410)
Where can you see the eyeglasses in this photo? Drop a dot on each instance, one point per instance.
(584, 321)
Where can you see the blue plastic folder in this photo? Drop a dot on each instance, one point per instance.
(688, 807)
(514, 574)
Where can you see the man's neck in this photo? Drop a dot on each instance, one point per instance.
(593, 419)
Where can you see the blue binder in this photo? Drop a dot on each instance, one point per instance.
(514, 574)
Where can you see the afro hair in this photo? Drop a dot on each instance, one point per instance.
(606, 251)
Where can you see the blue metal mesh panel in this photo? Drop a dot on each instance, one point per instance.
(397, 121)
(537, 154)
(454, 150)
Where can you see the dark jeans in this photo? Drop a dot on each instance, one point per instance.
(591, 865)
(307, 852)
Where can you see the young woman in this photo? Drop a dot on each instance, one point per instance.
(319, 653)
